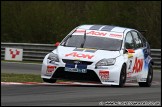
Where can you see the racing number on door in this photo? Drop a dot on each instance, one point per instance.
(130, 64)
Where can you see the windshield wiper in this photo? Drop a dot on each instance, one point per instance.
(64, 43)
(84, 40)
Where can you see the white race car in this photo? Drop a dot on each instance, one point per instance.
(110, 55)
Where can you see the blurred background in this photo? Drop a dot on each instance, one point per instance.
(50, 21)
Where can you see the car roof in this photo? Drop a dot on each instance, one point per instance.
(108, 28)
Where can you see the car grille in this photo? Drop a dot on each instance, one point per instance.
(89, 76)
(73, 62)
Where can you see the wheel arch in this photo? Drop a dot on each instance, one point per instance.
(151, 62)
(125, 65)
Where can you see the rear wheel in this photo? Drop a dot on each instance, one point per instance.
(149, 78)
(49, 80)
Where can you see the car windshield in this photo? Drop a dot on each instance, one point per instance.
(103, 43)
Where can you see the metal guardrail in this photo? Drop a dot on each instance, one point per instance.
(36, 52)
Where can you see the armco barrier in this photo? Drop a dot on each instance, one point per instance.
(36, 52)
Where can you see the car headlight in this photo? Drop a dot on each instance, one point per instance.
(53, 58)
(106, 62)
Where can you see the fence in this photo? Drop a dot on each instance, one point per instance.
(36, 52)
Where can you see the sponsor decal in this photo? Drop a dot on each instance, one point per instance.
(50, 69)
(115, 35)
(79, 55)
(79, 31)
(79, 68)
(104, 75)
(95, 33)
(70, 65)
(138, 65)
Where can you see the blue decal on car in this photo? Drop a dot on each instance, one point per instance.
(70, 65)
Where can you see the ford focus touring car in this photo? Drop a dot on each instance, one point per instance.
(110, 55)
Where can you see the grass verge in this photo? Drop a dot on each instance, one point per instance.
(35, 62)
(11, 77)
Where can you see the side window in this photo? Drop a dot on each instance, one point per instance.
(137, 39)
(129, 43)
(143, 40)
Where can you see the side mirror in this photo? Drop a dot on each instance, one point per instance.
(57, 44)
(130, 51)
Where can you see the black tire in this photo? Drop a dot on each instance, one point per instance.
(149, 78)
(49, 80)
(122, 77)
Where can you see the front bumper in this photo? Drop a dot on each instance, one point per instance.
(106, 75)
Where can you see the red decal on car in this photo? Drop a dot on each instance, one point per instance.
(75, 54)
(138, 65)
(115, 35)
(50, 68)
(104, 74)
(80, 31)
(94, 33)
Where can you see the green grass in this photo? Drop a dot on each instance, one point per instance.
(11, 77)
(36, 62)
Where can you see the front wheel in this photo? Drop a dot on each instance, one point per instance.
(122, 77)
(49, 80)
(149, 78)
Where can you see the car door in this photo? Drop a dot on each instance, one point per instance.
(130, 56)
(139, 57)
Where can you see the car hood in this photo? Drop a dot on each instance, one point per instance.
(84, 54)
